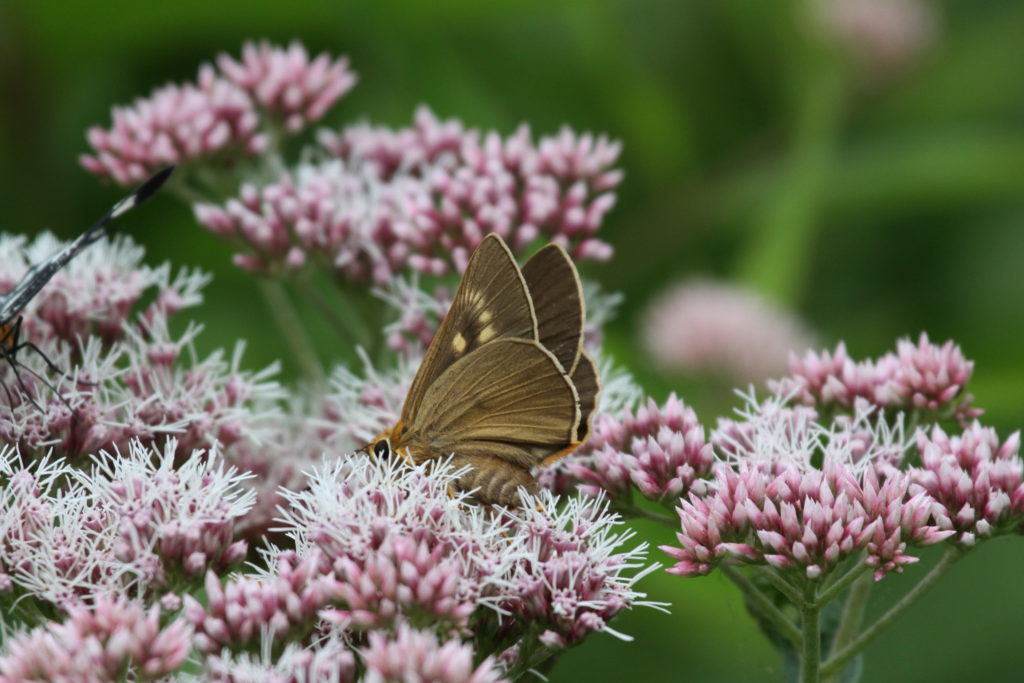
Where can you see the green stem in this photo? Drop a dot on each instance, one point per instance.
(783, 586)
(338, 322)
(833, 591)
(810, 618)
(776, 259)
(631, 510)
(763, 603)
(839, 659)
(291, 328)
(354, 320)
(853, 613)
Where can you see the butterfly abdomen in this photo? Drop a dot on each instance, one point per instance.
(493, 480)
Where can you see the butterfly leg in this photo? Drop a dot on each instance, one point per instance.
(496, 481)
(21, 382)
(12, 344)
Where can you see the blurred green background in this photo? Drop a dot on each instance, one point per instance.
(876, 198)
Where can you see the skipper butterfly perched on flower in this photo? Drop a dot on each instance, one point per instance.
(505, 384)
(13, 302)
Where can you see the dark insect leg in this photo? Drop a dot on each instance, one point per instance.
(13, 362)
(10, 399)
(9, 355)
(49, 363)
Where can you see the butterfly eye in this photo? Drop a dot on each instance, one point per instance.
(382, 449)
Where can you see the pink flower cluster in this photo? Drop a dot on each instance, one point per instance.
(139, 388)
(978, 481)
(422, 199)
(807, 520)
(132, 522)
(411, 655)
(124, 377)
(285, 83)
(217, 118)
(330, 660)
(659, 450)
(399, 547)
(238, 613)
(920, 376)
(97, 293)
(405, 654)
(98, 643)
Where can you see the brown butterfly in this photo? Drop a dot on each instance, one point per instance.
(505, 384)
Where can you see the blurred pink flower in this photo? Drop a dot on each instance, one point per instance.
(177, 124)
(112, 640)
(979, 481)
(883, 36)
(411, 655)
(329, 660)
(704, 326)
(284, 82)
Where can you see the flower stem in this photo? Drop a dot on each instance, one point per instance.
(839, 659)
(632, 510)
(291, 327)
(810, 617)
(783, 586)
(763, 603)
(833, 591)
(853, 612)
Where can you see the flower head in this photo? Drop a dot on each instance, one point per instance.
(772, 503)
(125, 525)
(422, 200)
(286, 83)
(177, 124)
(411, 655)
(661, 450)
(703, 326)
(921, 376)
(330, 660)
(883, 36)
(978, 481)
(103, 642)
(402, 547)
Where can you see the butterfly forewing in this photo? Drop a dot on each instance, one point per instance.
(492, 303)
(510, 399)
(557, 301)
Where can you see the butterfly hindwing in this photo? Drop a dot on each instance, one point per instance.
(588, 387)
(491, 303)
(510, 399)
(558, 302)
